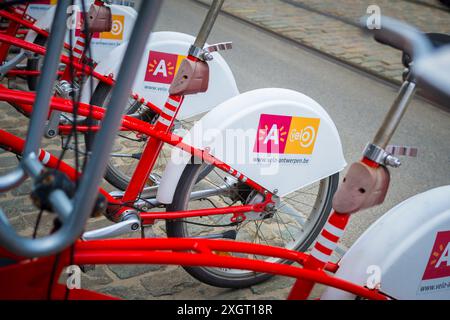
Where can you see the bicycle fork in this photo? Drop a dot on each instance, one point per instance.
(323, 249)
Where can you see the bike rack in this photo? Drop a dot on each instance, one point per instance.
(73, 213)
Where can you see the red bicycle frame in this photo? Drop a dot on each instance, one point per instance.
(32, 279)
(76, 65)
(159, 134)
(13, 27)
(19, 18)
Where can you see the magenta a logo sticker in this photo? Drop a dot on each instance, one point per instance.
(286, 135)
(272, 134)
(439, 263)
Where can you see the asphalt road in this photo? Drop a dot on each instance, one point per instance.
(356, 102)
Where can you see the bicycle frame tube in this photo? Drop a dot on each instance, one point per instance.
(152, 149)
(335, 227)
(15, 144)
(187, 252)
(25, 99)
(14, 17)
(395, 114)
(128, 123)
(64, 59)
(30, 164)
(324, 247)
(13, 28)
(160, 134)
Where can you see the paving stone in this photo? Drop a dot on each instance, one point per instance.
(124, 292)
(18, 223)
(164, 284)
(126, 272)
(96, 277)
(331, 27)
(8, 162)
(269, 298)
(233, 295)
(276, 283)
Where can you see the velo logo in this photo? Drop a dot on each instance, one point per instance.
(162, 67)
(116, 33)
(439, 263)
(286, 135)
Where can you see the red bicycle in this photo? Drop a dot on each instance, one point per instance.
(214, 200)
(361, 189)
(81, 78)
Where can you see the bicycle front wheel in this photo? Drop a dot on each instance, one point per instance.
(297, 221)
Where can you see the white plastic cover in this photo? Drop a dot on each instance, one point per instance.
(406, 253)
(279, 138)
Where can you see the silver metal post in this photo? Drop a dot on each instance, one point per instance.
(395, 114)
(208, 23)
(41, 107)
(47, 79)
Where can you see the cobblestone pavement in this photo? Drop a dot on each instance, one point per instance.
(330, 27)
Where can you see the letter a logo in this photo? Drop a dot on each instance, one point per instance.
(439, 262)
(162, 67)
(273, 135)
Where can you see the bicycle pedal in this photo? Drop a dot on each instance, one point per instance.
(402, 151)
(130, 223)
(148, 232)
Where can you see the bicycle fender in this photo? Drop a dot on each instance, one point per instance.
(164, 54)
(405, 253)
(101, 43)
(279, 138)
(37, 11)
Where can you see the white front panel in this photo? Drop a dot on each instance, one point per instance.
(410, 248)
(102, 43)
(37, 11)
(163, 55)
(280, 138)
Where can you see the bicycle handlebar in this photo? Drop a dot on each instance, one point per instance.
(433, 73)
(408, 39)
(400, 36)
